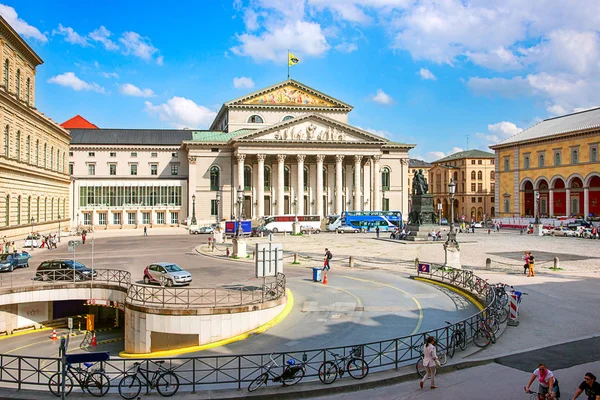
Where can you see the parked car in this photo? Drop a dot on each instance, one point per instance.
(166, 274)
(346, 229)
(546, 231)
(202, 229)
(306, 229)
(63, 270)
(258, 230)
(562, 231)
(477, 225)
(32, 241)
(579, 222)
(444, 221)
(10, 261)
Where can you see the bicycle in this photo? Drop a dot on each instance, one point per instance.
(458, 338)
(536, 395)
(353, 363)
(292, 374)
(164, 380)
(95, 382)
(483, 334)
(442, 359)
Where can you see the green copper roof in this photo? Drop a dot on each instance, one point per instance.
(217, 136)
(466, 154)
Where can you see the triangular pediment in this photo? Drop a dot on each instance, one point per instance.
(311, 128)
(289, 94)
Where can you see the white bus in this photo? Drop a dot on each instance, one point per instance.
(283, 223)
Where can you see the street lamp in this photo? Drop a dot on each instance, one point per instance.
(295, 203)
(218, 201)
(32, 221)
(58, 228)
(451, 234)
(537, 203)
(193, 209)
(240, 196)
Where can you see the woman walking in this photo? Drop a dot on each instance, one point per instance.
(430, 360)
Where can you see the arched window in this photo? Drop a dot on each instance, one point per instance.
(287, 118)
(18, 84)
(18, 145)
(28, 149)
(267, 178)
(215, 173)
(286, 178)
(45, 155)
(306, 176)
(472, 174)
(6, 141)
(19, 210)
(37, 152)
(5, 73)
(385, 178)
(492, 175)
(7, 210)
(541, 160)
(479, 175)
(28, 91)
(247, 178)
(455, 176)
(574, 157)
(255, 119)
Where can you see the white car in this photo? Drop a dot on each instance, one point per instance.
(202, 229)
(546, 231)
(31, 242)
(563, 231)
(477, 225)
(346, 229)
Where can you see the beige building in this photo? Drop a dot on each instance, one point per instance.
(34, 180)
(473, 172)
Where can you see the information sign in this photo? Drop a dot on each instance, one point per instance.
(268, 259)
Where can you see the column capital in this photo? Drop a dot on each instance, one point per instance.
(357, 158)
(320, 158)
(261, 157)
(280, 158)
(300, 157)
(404, 161)
(339, 158)
(192, 160)
(376, 158)
(240, 157)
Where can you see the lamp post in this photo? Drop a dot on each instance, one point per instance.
(537, 204)
(218, 201)
(451, 191)
(32, 221)
(295, 203)
(440, 213)
(58, 228)
(193, 209)
(451, 247)
(240, 197)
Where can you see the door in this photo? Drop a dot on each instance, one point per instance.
(247, 208)
(286, 204)
(267, 209)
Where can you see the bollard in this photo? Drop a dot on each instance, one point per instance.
(296, 258)
(556, 263)
(488, 263)
(417, 264)
(351, 262)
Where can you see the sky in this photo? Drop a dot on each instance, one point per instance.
(446, 75)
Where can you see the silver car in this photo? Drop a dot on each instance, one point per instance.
(166, 274)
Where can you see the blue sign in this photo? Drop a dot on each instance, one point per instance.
(423, 267)
(87, 357)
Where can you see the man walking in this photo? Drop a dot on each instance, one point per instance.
(145, 231)
(328, 257)
(377, 231)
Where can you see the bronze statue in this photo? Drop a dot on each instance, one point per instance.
(419, 184)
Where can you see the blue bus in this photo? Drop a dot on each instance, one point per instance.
(367, 220)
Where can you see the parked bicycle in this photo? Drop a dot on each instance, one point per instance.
(353, 363)
(293, 373)
(96, 382)
(164, 380)
(483, 334)
(457, 339)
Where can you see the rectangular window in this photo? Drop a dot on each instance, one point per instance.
(214, 150)
(112, 169)
(113, 153)
(160, 217)
(131, 218)
(574, 156)
(386, 204)
(174, 217)
(541, 160)
(493, 187)
(175, 155)
(70, 168)
(472, 187)
(101, 218)
(506, 163)
(472, 162)
(480, 187)
(479, 162)
(117, 219)
(214, 207)
(463, 175)
(146, 218)
(91, 169)
(91, 154)
(70, 154)
(480, 199)
(153, 169)
(133, 154)
(493, 200)
(526, 162)
(506, 206)
(133, 169)
(154, 155)
(87, 218)
(472, 199)
(174, 169)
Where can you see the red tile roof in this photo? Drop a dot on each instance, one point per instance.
(78, 122)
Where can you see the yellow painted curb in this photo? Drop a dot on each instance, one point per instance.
(168, 353)
(464, 293)
(25, 333)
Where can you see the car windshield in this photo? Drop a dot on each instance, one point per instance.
(3, 257)
(172, 268)
(76, 265)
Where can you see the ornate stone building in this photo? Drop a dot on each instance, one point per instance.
(34, 180)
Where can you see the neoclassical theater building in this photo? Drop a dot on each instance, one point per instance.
(288, 147)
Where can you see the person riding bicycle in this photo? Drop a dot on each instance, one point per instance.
(548, 384)
(590, 387)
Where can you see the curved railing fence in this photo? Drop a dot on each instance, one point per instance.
(237, 371)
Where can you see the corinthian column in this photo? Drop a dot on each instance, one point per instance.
(338, 184)
(260, 190)
(300, 191)
(319, 191)
(376, 185)
(280, 191)
(357, 189)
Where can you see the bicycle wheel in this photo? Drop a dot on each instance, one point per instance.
(420, 367)
(461, 340)
(295, 378)
(328, 372)
(481, 338)
(130, 386)
(452, 346)
(167, 384)
(494, 325)
(502, 315)
(258, 382)
(55, 384)
(357, 368)
(97, 384)
(442, 358)
(492, 335)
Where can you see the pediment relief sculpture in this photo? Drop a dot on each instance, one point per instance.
(313, 133)
(289, 95)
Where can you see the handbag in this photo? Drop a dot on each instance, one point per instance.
(437, 363)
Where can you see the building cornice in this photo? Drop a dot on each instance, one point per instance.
(39, 172)
(546, 139)
(105, 147)
(18, 43)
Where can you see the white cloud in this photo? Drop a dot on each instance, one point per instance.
(139, 46)
(110, 75)
(436, 155)
(182, 113)
(102, 35)
(69, 79)
(499, 59)
(382, 98)
(427, 74)
(346, 47)
(160, 60)
(131, 90)
(243, 83)
(19, 25)
(498, 132)
(70, 35)
(251, 19)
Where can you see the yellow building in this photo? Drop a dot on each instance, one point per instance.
(551, 168)
(34, 180)
(473, 172)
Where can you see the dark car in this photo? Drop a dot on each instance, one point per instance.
(63, 270)
(260, 230)
(10, 261)
(579, 222)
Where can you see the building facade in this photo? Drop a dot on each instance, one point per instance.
(473, 172)
(551, 169)
(34, 179)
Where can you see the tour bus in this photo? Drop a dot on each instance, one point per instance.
(367, 220)
(283, 223)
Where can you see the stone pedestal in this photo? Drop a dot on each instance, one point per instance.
(452, 259)
(239, 248)
(296, 228)
(537, 229)
(217, 237)
(420, 233)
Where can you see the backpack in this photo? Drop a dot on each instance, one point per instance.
(329, 255)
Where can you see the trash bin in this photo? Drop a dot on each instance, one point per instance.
(317, 274)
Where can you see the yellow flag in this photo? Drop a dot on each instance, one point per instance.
(292, 59)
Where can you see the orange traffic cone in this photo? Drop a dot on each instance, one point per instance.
(54, 337)
(94, 343)
(325, 278)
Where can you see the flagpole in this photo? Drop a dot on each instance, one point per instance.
(288, 63)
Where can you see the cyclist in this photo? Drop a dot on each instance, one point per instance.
(590, 387)
(548, 384)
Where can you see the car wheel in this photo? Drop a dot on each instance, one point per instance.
(146, 280)
(275, 230)
(169, 282)
(27, 265)
(12, 268)
(318, 231)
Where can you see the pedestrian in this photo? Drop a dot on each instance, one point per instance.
(594, 232)
(531, 264)
(590, 387)
(14, 248)
(328, 257)
(54, 241)
(548, 384)
(526, 265)
(377, 231)
(145, 231)
(83, 237)
(430, 362)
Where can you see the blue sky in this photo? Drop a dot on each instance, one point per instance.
(429, 72)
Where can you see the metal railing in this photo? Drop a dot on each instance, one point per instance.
(44, 278)
(237, 371)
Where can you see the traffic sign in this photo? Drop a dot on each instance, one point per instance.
(73, 244)
(88, 357)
